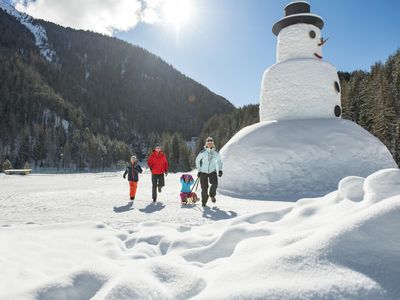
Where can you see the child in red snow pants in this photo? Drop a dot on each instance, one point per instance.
(132, 189)
(133, 170)
(184, 196)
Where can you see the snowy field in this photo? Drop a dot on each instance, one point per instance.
(75, 237)
(104, 197)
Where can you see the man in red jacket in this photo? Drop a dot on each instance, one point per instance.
(158, 165)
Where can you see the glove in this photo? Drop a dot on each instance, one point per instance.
(166, 173)
(219, 173)
(124, 176)
(198, 174)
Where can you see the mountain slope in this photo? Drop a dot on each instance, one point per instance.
(92, 87)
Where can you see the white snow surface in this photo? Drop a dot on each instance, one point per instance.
(38, 31)
(334, 247)
(302, 88)
(289, 160)
(294, 41)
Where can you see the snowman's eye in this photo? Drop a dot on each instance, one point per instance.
(312, 34)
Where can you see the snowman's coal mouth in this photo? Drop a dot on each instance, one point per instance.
(317, 55)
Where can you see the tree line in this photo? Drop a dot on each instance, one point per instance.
(100, 101)
(222, 127)
(372, 100)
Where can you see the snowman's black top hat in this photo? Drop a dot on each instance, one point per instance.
(297, 12)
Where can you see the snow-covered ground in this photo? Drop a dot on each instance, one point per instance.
(74, 237)
(104, 197)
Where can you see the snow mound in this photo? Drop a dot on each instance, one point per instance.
(335, 247)
(352, 188)
(37, 30)
(381, 185)
(293, 159)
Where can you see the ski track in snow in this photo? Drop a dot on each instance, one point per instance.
(341, 246)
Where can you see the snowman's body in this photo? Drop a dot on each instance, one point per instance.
(301, 148)
(299, 88)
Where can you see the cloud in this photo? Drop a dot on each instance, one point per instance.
(104, 16)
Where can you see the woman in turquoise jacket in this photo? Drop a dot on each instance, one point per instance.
(208, 164)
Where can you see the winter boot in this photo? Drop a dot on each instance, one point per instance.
(132, 198)
(213, 200)
(159, 188)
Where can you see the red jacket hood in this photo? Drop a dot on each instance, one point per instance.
(155, 152)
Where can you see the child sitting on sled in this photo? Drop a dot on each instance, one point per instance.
(187, 196)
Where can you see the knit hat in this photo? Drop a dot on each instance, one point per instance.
(208, 139)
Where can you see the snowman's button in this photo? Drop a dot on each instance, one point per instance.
(338, 111)
(337, 87)
(312, 34)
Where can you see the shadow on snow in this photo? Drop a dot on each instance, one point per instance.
(127, 207)
(216, 214)
(152, 207)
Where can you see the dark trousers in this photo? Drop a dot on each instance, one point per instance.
(156, 180)
(204, 179)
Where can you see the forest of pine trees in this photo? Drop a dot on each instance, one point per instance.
(222, 128)
(372, 100)
(100, 101)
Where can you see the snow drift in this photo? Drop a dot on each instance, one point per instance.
(341, 246)
(293, 159)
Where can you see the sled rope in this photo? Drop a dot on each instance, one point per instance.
(195, 185)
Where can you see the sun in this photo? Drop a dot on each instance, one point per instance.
(177, 12)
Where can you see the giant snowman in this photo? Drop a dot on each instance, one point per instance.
(301, 148)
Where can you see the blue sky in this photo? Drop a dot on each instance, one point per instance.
(229, 44)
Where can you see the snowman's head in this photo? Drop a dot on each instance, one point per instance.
(299, 33)
(299, 41)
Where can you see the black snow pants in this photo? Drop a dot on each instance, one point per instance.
(157, 180)
(204, 178)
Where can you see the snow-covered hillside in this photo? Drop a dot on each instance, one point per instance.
(87, 243)
(37, 30)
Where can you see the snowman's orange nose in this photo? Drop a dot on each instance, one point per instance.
(322, 41)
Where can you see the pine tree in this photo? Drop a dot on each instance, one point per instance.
(175, 152)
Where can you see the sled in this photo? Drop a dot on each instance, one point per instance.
(190, 200)
(18, 171)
